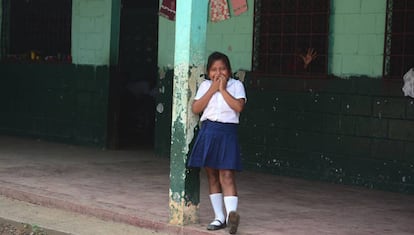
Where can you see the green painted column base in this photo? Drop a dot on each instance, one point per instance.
(184, 206)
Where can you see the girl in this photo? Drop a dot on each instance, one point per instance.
(220, 99)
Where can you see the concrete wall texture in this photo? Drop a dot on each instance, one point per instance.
(356, 38)
(355, 129)
(64, 102)
(357, 29)
(91, 31)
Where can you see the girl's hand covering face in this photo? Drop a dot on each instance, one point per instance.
(223, 82)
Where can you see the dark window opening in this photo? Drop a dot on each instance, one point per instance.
(130, 4)
(36, 30)
(286, 29)
(399, 38)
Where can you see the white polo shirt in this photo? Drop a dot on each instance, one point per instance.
(217, 109)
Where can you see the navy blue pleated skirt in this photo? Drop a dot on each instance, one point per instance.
(217, 147)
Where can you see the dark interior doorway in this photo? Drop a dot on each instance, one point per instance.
(138, 73)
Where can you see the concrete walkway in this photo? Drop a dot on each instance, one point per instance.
(131, 187)
(63, 221)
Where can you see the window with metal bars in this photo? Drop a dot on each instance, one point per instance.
(399, 38)
(36, 30)
(284, 30)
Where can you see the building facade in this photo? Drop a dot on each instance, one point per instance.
(344, 120)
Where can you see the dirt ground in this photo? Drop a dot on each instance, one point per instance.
(8, 227)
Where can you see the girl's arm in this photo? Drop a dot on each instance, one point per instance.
(236, 104)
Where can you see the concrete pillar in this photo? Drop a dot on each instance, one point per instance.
(189, 60)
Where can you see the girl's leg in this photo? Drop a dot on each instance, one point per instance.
(213, 180)
(228, 183)
(216, 198)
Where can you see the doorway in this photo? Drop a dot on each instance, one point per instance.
(138, 73)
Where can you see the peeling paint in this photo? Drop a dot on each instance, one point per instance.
(161, 90)
(189, 55)
(183, 98)
(160, 108)
(162, 74)
(183, 207)
(193, 83)
(241, 74)
(182, 212)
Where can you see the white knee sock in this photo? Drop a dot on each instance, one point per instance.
(217, 203)
(230, 202)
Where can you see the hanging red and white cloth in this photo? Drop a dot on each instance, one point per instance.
(219, 10)
(167, 9)
(239, 6)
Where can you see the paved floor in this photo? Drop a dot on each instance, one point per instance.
(131, 187)
(63, 221)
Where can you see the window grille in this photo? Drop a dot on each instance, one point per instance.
(37, 30)
(399, 38)
(283, 29)
(4, 40)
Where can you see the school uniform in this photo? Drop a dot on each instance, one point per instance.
(217, 145)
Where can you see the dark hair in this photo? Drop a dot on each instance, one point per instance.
(218, 56)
